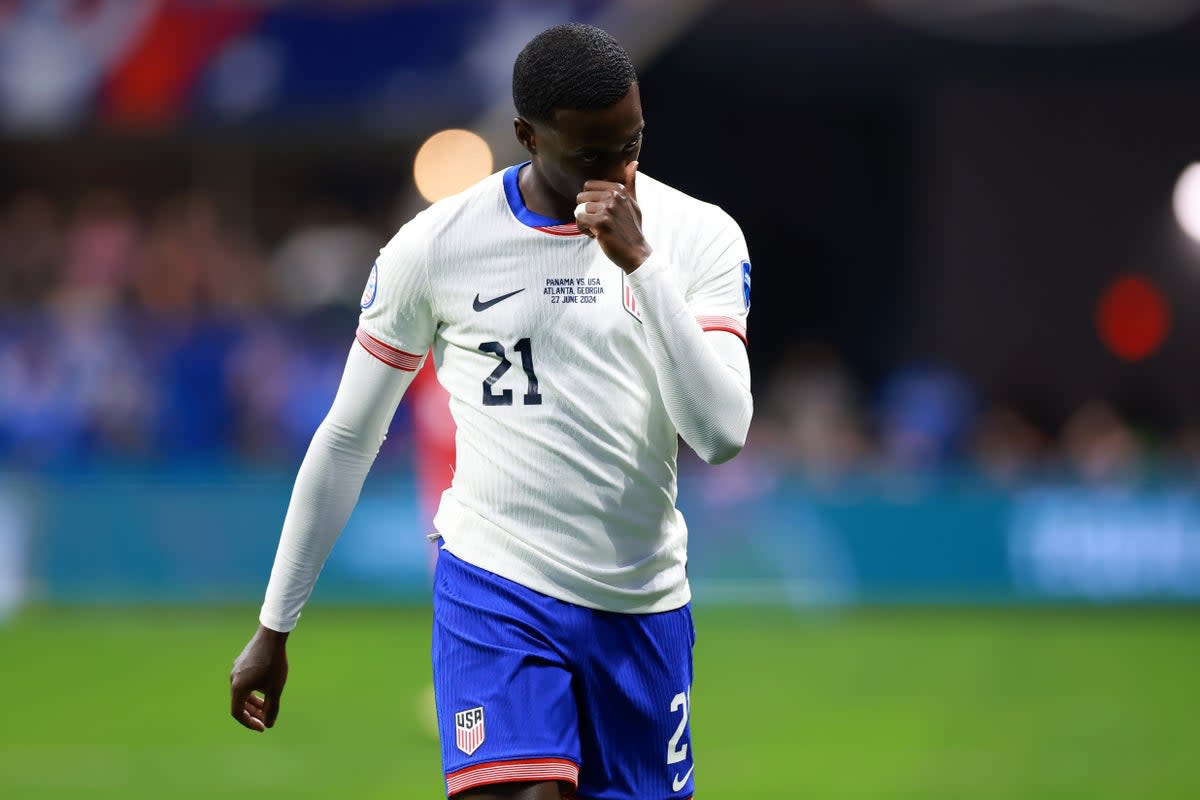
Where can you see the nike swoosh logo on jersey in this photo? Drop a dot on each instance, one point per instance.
(484, 305)
(678, 783)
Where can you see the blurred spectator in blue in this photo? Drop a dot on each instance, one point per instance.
(72, 382)
(258, 380)
(281, 381)
(925, 413)
(197, 417)
(71, 379)
(200, 282)
(43, 416)
(120, 395)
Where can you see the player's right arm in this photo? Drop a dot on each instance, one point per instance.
(326, 491)
(395, 327)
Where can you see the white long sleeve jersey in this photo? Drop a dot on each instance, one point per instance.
(569, 383)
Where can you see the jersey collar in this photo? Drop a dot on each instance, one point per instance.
(532, 219)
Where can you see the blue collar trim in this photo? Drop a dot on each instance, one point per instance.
(512, 193)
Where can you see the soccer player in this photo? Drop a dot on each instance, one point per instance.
(582, 318)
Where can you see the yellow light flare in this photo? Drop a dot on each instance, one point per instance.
(449, 162)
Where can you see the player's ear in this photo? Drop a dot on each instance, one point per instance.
(525, 135)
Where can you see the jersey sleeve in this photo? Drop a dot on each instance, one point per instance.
(719, 295)
(396, 324)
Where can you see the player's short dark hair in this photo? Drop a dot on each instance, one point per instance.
(573, 66)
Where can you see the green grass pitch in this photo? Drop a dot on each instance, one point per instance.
(926, 704)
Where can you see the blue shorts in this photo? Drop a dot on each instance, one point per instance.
(530, 688)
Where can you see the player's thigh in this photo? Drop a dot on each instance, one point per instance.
(505, 701)
(635, 708)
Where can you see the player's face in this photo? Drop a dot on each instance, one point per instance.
(579, 146)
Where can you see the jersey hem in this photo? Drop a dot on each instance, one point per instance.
(511, 771)
(534, 580)
(473, 539)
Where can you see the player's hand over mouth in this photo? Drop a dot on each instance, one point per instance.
(609, 213)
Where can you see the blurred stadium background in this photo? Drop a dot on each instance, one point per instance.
(960, 555)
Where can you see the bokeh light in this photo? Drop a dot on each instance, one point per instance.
(1133, 317)
(1187, 201)
(450, 161)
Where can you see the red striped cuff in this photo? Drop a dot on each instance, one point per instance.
(729, 324)
(409, 362)
(529, 769)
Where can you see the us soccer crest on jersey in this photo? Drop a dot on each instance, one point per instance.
(629, 301)
(371, 289)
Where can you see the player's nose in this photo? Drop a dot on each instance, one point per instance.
(615, 173)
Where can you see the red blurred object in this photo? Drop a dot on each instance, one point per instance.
(434, 431)
(1133, 318)
(149, 87)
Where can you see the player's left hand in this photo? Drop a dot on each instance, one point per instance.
(609, 213)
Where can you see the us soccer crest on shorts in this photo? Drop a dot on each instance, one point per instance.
(468, 729)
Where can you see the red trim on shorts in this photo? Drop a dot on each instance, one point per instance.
(525, 769)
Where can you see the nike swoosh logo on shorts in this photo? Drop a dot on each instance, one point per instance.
(678, 783)
(484, 305)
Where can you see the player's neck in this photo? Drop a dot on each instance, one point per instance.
(541, 199)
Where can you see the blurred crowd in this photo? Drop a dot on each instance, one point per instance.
(814, 418)
(170, 334)
(175, 335)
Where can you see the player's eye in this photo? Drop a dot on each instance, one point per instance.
(589, 158)
(636, 141)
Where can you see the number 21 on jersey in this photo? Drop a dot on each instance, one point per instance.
(505, 398)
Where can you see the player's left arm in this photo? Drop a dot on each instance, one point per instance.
(696, 342)
(699, 357)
